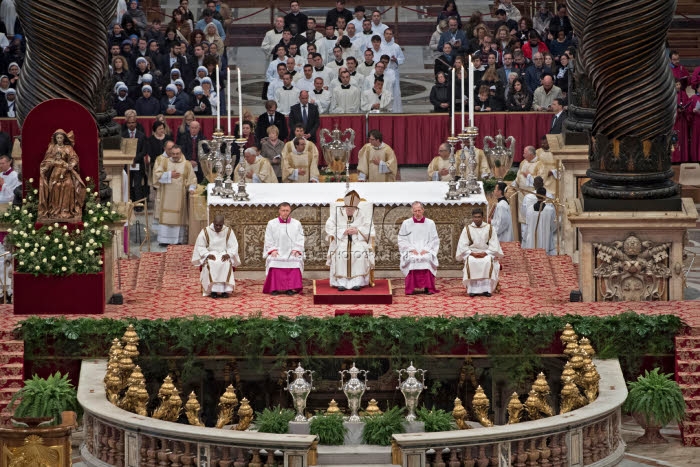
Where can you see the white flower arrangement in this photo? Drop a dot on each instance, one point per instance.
(79, 250)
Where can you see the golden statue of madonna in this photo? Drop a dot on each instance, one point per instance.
(61, 190)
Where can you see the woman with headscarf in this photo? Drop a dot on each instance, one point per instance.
(122, 102)
(4, 86)
(61, 189)
(201, 73)
(211, 35)
(13, 74)
(147, 105)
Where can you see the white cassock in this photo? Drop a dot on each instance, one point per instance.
(502, 221)
(394, 50)
(541, 228)
(284, 238)
(9, 183)
(345, 100)
(480, 274)
(419, 236)
(321, 99)
(529, 201)
(216, 275)
(350, 259)
(369, 98)
(286, 98)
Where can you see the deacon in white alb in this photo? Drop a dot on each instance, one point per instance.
(418, 245)
(216, 252)
(283, 254)
(541, 220)
(479, 248)
(350, 234)
(502, 219)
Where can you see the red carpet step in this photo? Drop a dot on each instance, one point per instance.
(380, 294)
(150, 272)
(688, 378)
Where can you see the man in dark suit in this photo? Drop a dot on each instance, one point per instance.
(559, 116)
(131, 127)
(270, 117)
(189, 142)
(306, 114)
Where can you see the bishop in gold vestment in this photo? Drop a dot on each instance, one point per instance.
(257, 168)
(175, 179)
(376, 160)
(300, 161)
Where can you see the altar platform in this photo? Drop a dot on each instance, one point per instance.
(311, 206)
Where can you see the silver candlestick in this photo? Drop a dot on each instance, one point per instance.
(299, 388)
(353, 389)
(463, 175)
(452, 184)
(472, 185)
(411, 388)
(241, 194)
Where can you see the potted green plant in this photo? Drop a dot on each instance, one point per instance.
(654, 400)
(45, 399)
(329, 428)
(379, 428)
(435, 419)
(275, 420)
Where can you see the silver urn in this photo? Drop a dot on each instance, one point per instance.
(299, 388)
(336, 152)
(499, 156)
(353, 389)
(411, 388)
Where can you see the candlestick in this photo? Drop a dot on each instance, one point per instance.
(240, 103)
(228, 97)
(461, 98)
(218, 109)
(452, 105)
(471, 92)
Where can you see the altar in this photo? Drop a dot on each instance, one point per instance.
(311, 206)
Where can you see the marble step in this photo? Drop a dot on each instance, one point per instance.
(364, 455)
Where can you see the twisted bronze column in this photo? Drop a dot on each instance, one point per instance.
(630, 151)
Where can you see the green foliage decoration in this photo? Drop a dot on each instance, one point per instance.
(434, 419)
(379, 428)
(46, 398)
(274, 420)
(52, 249)
(657, 397)
(329, 428)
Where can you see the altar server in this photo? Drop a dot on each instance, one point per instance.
(283, 253)
(376, 160)
(8, 179)
(479, 248)
(529, 168)
(350, 234)
(216, 252)
(257, 168)
(541, 224)
(502, 219)
(418, 245)
(175, 177)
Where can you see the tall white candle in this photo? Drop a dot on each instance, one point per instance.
(240, 104)
(218, 108)
(228, 97)
(452, 106)
(471, 92)
(461, 98)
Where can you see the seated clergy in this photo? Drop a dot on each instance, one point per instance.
(479, 248)
(257, 168)
(283, 253)
(216, 252)
(350, 234)
(299, 159)
(376, 160)
(501, 218)
(418, 245)
(541, 224)
(439, 167)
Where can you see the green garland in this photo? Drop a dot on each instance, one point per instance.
(53, 250)
(627, 334)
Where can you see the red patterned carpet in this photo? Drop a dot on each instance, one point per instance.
(164, 285)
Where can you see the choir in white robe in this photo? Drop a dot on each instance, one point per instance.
(503, 221)
(392, 49)
(284, 238)
(541, 229)
(350, 258)
(321, 99)
(369, 98)
(286, 98)
(480, 274)
(216, 275)
(345, 100)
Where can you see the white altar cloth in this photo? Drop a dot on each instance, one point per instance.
(322, 194)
